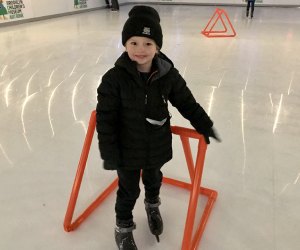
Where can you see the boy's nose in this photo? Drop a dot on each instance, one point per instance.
(140, 48)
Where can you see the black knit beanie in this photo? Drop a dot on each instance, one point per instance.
(143, 21)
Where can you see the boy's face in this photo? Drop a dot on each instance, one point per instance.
(141, 50)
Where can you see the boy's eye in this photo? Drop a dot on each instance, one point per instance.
(133, 43)
(149, 44)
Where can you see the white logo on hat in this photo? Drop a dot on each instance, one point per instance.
(146, 31)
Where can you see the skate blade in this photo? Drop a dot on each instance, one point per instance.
(157, 238)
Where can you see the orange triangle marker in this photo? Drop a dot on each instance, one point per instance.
(219, 16)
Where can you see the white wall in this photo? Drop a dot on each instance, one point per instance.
(35, 9)
(265, 2)
(43, 8)
(52, 7)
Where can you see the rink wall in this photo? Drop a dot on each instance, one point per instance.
(19, 11)
(283, 3)
(16, 11)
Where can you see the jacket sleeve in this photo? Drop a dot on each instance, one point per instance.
(107, 121)
(181, 97)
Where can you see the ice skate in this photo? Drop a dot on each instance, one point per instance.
(154, 218)
(124, 237)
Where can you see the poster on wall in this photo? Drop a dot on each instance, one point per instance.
(3, 11)
(80, 4)
(11, 10)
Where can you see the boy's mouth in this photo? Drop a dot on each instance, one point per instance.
(140, 56)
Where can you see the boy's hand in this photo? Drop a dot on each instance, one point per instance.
(211, 133)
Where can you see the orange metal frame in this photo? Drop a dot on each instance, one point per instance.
(190, 241)
(209, 29)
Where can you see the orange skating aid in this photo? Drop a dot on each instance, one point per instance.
(190, 241)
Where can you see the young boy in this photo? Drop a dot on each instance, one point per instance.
(133, 121)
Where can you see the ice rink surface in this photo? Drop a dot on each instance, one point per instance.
(249, 85)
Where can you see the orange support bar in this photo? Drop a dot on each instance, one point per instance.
(68, 225)
(219, 15)
(190, 241)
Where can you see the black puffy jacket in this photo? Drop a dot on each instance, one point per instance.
(126, 139)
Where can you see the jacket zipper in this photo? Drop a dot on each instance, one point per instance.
(146, 102)
(147, 85)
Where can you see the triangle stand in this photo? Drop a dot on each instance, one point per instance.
(191, 239)
(219, 16)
